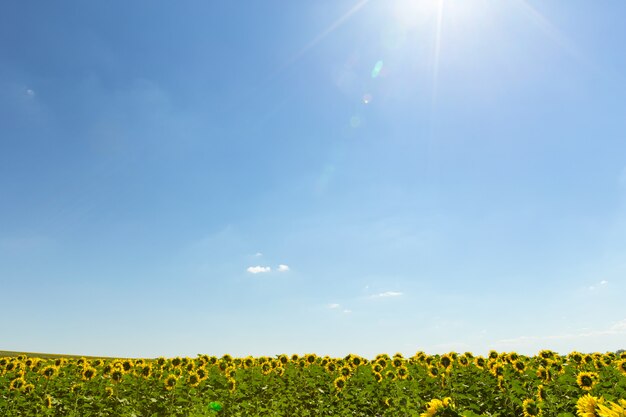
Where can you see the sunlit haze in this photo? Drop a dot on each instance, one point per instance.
(347, 176)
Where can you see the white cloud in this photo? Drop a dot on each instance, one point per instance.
(618, 327)
(258, 254)
(388, 294)
(283, 268)
(258, 269)
(595, 340)
(347, 311)
(334, 305)
(604, 282)
(29, 92)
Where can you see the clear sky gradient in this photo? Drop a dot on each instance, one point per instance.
(312, 176)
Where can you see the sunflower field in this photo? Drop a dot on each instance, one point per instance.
(453, 384)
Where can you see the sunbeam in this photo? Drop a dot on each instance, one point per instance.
(438, 31)
(550, 30)
(330, 29)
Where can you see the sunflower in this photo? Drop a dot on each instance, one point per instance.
(161, 361)
(545, 362)
(227, 358)
(331, 367)
(575, 357)
(47, 401)
(266, 368)
(145, 371)
(356, 361)
(202, 373)
(530, 408)
(108, 391)
(190, 367)
(193, 380)
(446, 361)
(295, 357)
(345, 371)
(117, 375)
(232, 385)
(432, 407)
(382, 362)
(28, 388)
(541, 393)
(377, 368)
(558, 368)
(176, 362)
(433, 371)
(621, 366)
(396, 362)
(76, 388)
(310, 358)
(403, 372)
(388, 402)
(497, 370)
(378, 377)
(340, 383)
(279, 370)
(479, 362)
(283, 359)
(107, 369)
(390, 375)
(586, 380)
(127, 365)
(17, 383)
(463, 360)
(512, 357)
(88, 373)
(170, 382)
(544, 374)
(49, 371)
(586, 406)
(493, 354)
(613, 409)
(501, 384)
(248, 362)
(519, 366)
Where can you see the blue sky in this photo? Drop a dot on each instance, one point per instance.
(313, 176)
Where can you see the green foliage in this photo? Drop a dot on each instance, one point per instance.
(310, 386)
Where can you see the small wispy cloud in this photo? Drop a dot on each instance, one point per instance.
(601, 284)
(283, 268)
(387, 294)
(258, 254)
(334, 305)
(347, 311)
(258, 269)
(617, 328)
(29, 92)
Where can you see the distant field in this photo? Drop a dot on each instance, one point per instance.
(10, 353)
